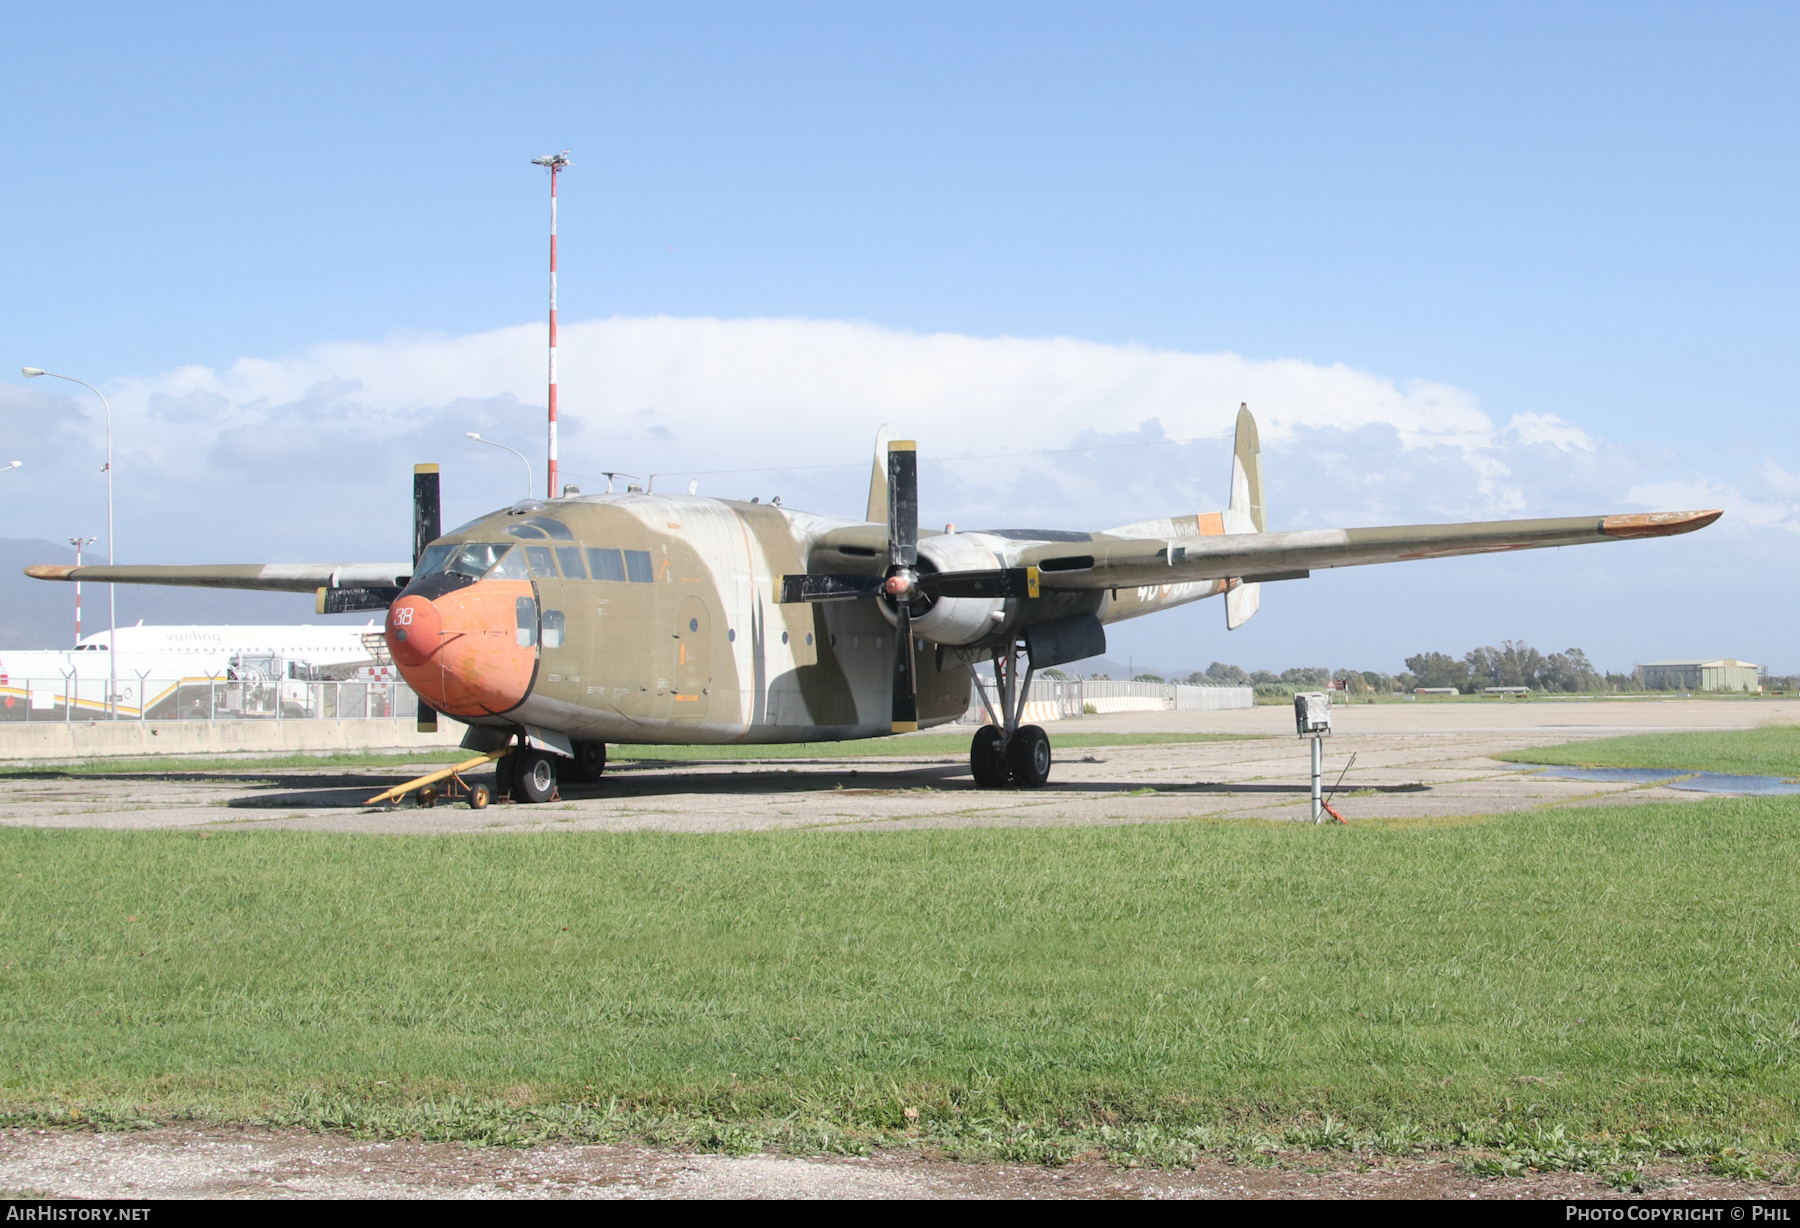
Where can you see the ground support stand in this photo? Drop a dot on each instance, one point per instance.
(428, 792)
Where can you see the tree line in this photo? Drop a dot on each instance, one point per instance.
(1513, 664)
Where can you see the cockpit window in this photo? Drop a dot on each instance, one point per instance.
(510, 567)
(525, 530)
(433, 560)
(475, 559)
(543, 561)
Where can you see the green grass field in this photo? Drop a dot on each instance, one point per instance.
(1771, 750)
(1567, 982)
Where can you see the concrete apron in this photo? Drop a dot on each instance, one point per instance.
(85, 739)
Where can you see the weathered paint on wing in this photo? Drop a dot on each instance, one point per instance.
(267, 577)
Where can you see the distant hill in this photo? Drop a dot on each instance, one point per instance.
(41, 614)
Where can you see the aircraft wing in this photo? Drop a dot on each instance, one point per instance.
(1130, 562)
(269, 577)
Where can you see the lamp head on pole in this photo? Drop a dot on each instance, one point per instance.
(554, 161)
(475, 435)
(31, 372)
(14, 464)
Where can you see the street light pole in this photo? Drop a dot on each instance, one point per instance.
(554, 163)
(112, 598)
(78, 543)
(495, 444)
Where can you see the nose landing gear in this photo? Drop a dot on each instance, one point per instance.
(530, 775)
(534, 778)
(1006, 753)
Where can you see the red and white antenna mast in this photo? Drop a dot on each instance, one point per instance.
(555, 163)
(78, 543)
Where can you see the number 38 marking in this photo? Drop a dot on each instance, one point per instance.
(403, 616)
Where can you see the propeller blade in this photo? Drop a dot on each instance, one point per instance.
(906, 698)
(903, 503)
(426, 525)
(1007, 582)
(815, 586)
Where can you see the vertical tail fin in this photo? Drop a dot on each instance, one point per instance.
(1245, 514)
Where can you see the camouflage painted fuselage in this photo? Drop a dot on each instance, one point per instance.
(647, 618)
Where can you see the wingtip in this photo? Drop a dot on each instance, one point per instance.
(51, 571)
(1658, 524)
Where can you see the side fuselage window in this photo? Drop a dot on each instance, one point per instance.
(525, 616)
(570, 558)
(553, 628)
(606, 564)
(637, 567)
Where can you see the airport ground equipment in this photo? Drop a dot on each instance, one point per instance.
(1312, 718)
(477, 794)
(554, 626)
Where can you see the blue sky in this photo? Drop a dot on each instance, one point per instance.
(1578, 214)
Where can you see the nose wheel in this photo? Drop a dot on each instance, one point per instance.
(1006, 753)
(533, 776)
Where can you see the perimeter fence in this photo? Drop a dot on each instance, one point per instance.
(140, 697)
(1057, 699)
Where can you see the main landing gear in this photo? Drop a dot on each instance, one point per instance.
(527, 774)
(1005, 752)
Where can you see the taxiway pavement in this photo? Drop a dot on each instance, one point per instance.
(1413, 760)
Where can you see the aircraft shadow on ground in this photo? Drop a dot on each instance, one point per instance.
(338, 793)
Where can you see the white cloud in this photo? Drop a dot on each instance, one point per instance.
(308, 457)
(775, 385)
(330, 432)
(1699, 493)
(1550, 429)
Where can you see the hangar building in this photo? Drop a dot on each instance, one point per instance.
(1724, 674)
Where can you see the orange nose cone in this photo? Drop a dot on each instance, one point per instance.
(461, 652)
(414, 630)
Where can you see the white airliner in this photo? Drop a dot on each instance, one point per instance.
(152, 659)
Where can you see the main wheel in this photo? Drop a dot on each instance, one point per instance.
(986, 760)
(537, 777)
(1028, 755)
(590, 762)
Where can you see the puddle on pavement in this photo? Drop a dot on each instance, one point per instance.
(1696, 782)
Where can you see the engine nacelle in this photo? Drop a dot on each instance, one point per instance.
(956, 620)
